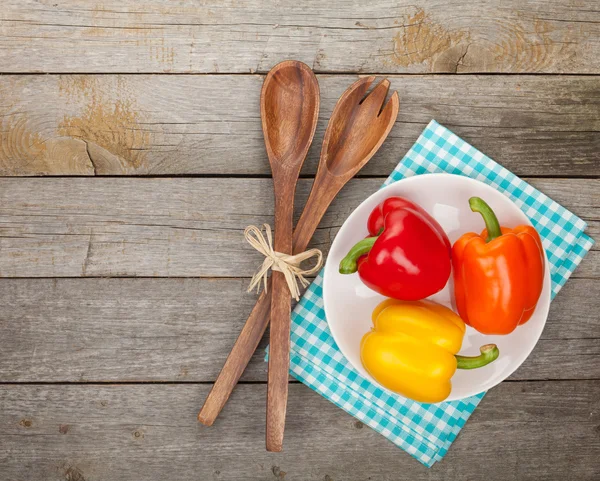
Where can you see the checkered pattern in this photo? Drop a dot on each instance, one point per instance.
(426, 431)
(439, 150)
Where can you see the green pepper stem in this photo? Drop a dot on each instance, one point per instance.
(489, 353)
(349, 264)
(492, 225)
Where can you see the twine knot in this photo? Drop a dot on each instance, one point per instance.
(288, 264)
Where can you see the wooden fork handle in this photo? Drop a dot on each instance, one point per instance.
(238, 359)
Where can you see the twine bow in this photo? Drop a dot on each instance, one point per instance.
(288, 264)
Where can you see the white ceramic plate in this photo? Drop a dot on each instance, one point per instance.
(349, 303)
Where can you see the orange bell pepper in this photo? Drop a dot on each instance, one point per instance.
(498, 275)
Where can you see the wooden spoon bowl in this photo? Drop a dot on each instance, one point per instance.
(289, 107)
(289, 110)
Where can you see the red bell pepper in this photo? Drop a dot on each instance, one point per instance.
(407, 256)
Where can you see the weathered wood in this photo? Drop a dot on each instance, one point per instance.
(181, 227)
(289, 109)
(164, 125)
(179, 330)
(335, 36)
(368, 121)
(538, 430)
(133, 330)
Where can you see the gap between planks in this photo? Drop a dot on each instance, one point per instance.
(242, 382)
(262, 73)
(254, 176)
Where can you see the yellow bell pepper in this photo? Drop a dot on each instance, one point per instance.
(412, 349)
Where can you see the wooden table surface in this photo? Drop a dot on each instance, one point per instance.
(131, 159)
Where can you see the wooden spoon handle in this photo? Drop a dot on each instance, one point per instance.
(281, 303)
(279, 362)
(324, 190)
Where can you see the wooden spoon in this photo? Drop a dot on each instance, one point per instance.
(333, 173)
(289, 105)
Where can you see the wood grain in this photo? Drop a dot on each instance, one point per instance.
(543, 430)
(355, 132)
(154, 36)
(176, 330)
(178, 227)
(209, 124)
(289, 110)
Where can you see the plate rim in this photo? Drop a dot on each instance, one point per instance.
(547, 279)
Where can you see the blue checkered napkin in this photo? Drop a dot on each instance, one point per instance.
(439, 150)
(426, 431)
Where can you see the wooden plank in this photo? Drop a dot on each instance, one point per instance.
(182, 227)
(166, 125)
(537, 430)
(336, 36)
(137, 330)
(177, 227)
